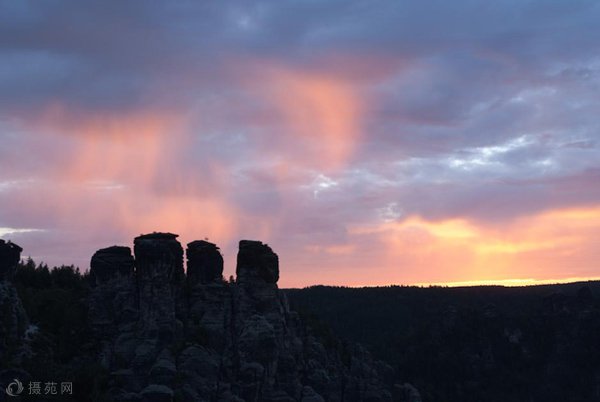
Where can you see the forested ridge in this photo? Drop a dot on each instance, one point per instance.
(487, 343)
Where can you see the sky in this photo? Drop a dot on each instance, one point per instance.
(367, 142)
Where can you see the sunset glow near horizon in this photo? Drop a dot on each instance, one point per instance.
(369, 143)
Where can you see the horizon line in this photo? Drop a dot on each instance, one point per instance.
(485, 282)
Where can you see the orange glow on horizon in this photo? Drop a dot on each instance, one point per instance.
(510, 282)
(547, 247)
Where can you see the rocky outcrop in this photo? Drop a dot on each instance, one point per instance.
(209, 298)
(13, 319)
(113, 305)
(111, 264)
(167, 336)
(10, 254)
(204, 262)
(257, 262)
(159, 270)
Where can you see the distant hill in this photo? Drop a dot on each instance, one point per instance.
(485, 343)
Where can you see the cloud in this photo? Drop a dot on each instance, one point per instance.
(303, 124)
(551, 244)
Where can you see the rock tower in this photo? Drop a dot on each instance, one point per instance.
(166, 335)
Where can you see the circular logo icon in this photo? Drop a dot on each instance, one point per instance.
(14, 388)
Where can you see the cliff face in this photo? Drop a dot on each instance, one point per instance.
(167, 336)
(13, 319)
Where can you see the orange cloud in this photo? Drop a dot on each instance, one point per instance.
(321, 114)
(110, 147)
(544, 247)
(191, 217)
(121, 172)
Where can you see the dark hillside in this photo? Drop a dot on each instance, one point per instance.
(490, 343)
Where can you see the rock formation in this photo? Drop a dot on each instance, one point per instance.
(10, 254)
(159, 269)
(113, 302)
(256, 261)
(166, 336)
(13, 319)
(204, 262)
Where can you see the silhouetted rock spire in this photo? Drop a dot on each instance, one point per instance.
(204, 262)
(109, 263)
(158, 256)
(256, 260)
(113, 304)
(13, 319)
(159, 274)
(165, 336)
(10, 255)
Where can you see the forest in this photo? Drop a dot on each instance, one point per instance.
(486, 343)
